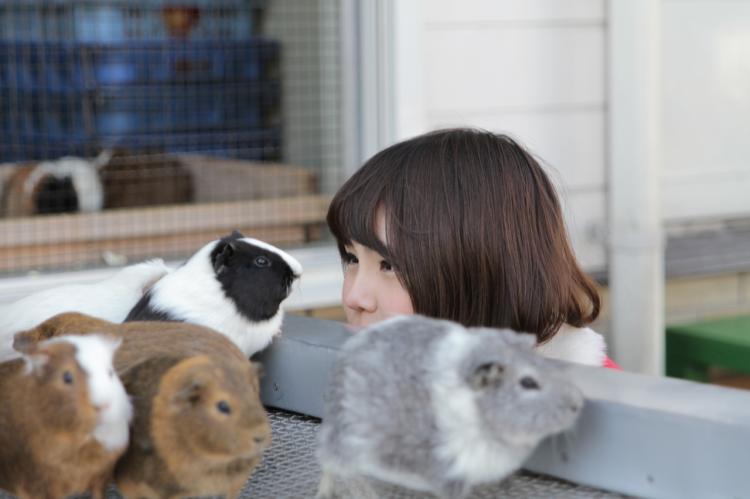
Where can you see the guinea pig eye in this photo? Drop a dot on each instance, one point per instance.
(224, 407)
(68, 378)
(262, 261)
(529, 383)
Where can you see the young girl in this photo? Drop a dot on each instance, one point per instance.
(464, 224)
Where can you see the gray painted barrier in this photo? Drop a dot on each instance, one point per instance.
(638, 435)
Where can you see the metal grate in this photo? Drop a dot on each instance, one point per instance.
(289, 471)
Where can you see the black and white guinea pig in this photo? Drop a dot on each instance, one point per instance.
(234, 285)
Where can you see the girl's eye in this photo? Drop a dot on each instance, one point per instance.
(349, 259)
(385, 266)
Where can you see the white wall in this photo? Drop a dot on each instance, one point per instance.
(705, 108)
(537, 69)
(534, 69)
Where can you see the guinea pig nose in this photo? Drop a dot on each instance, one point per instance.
(102, 407)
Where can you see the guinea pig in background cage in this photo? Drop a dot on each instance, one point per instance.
(65, 185)
(144, 178)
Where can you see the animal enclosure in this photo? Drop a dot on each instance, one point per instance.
(131, 130)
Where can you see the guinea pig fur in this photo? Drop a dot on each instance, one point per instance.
(199, 427)
(110, 299)
(234, 285)
(429, 405)
(64, 418)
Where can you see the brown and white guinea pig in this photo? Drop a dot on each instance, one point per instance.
(234, 285)
(199, 427)
(68, 184)
(110, 299)
(64, 418)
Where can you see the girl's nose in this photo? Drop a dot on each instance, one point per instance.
(358, 294)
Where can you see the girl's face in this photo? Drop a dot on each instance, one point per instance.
(372, 292)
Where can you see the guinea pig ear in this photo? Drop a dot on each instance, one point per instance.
(222, 255)
(36, 362)
(191, 391)
(193, 381)
(25, 341)
(236, 235)
(487, 375)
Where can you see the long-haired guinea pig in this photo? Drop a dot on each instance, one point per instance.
(430, 405)
(110, 299)
(199, 427)
(234, 285)
(64, 418)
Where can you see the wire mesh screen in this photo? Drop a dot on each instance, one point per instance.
(135, 129)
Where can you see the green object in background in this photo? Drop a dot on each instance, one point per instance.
(693, 348)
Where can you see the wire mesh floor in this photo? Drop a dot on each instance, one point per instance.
(289, 471)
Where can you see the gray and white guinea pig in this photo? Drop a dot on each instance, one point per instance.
(64, 418)
(110, 299)
(234, 285)
(433, 406)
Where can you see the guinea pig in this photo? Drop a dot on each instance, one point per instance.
(148, 178)
(198, 431)
(234, 285)
(199, 427)
(432, 406)
(64, 418)
(109, 299)
(56, 186)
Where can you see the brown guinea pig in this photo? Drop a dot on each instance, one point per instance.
(64, 418)
(205, 429)
(147, 178)
(199, 427)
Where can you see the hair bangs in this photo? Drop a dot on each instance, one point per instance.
(353, 212)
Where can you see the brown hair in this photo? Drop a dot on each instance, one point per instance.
(475, 232)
